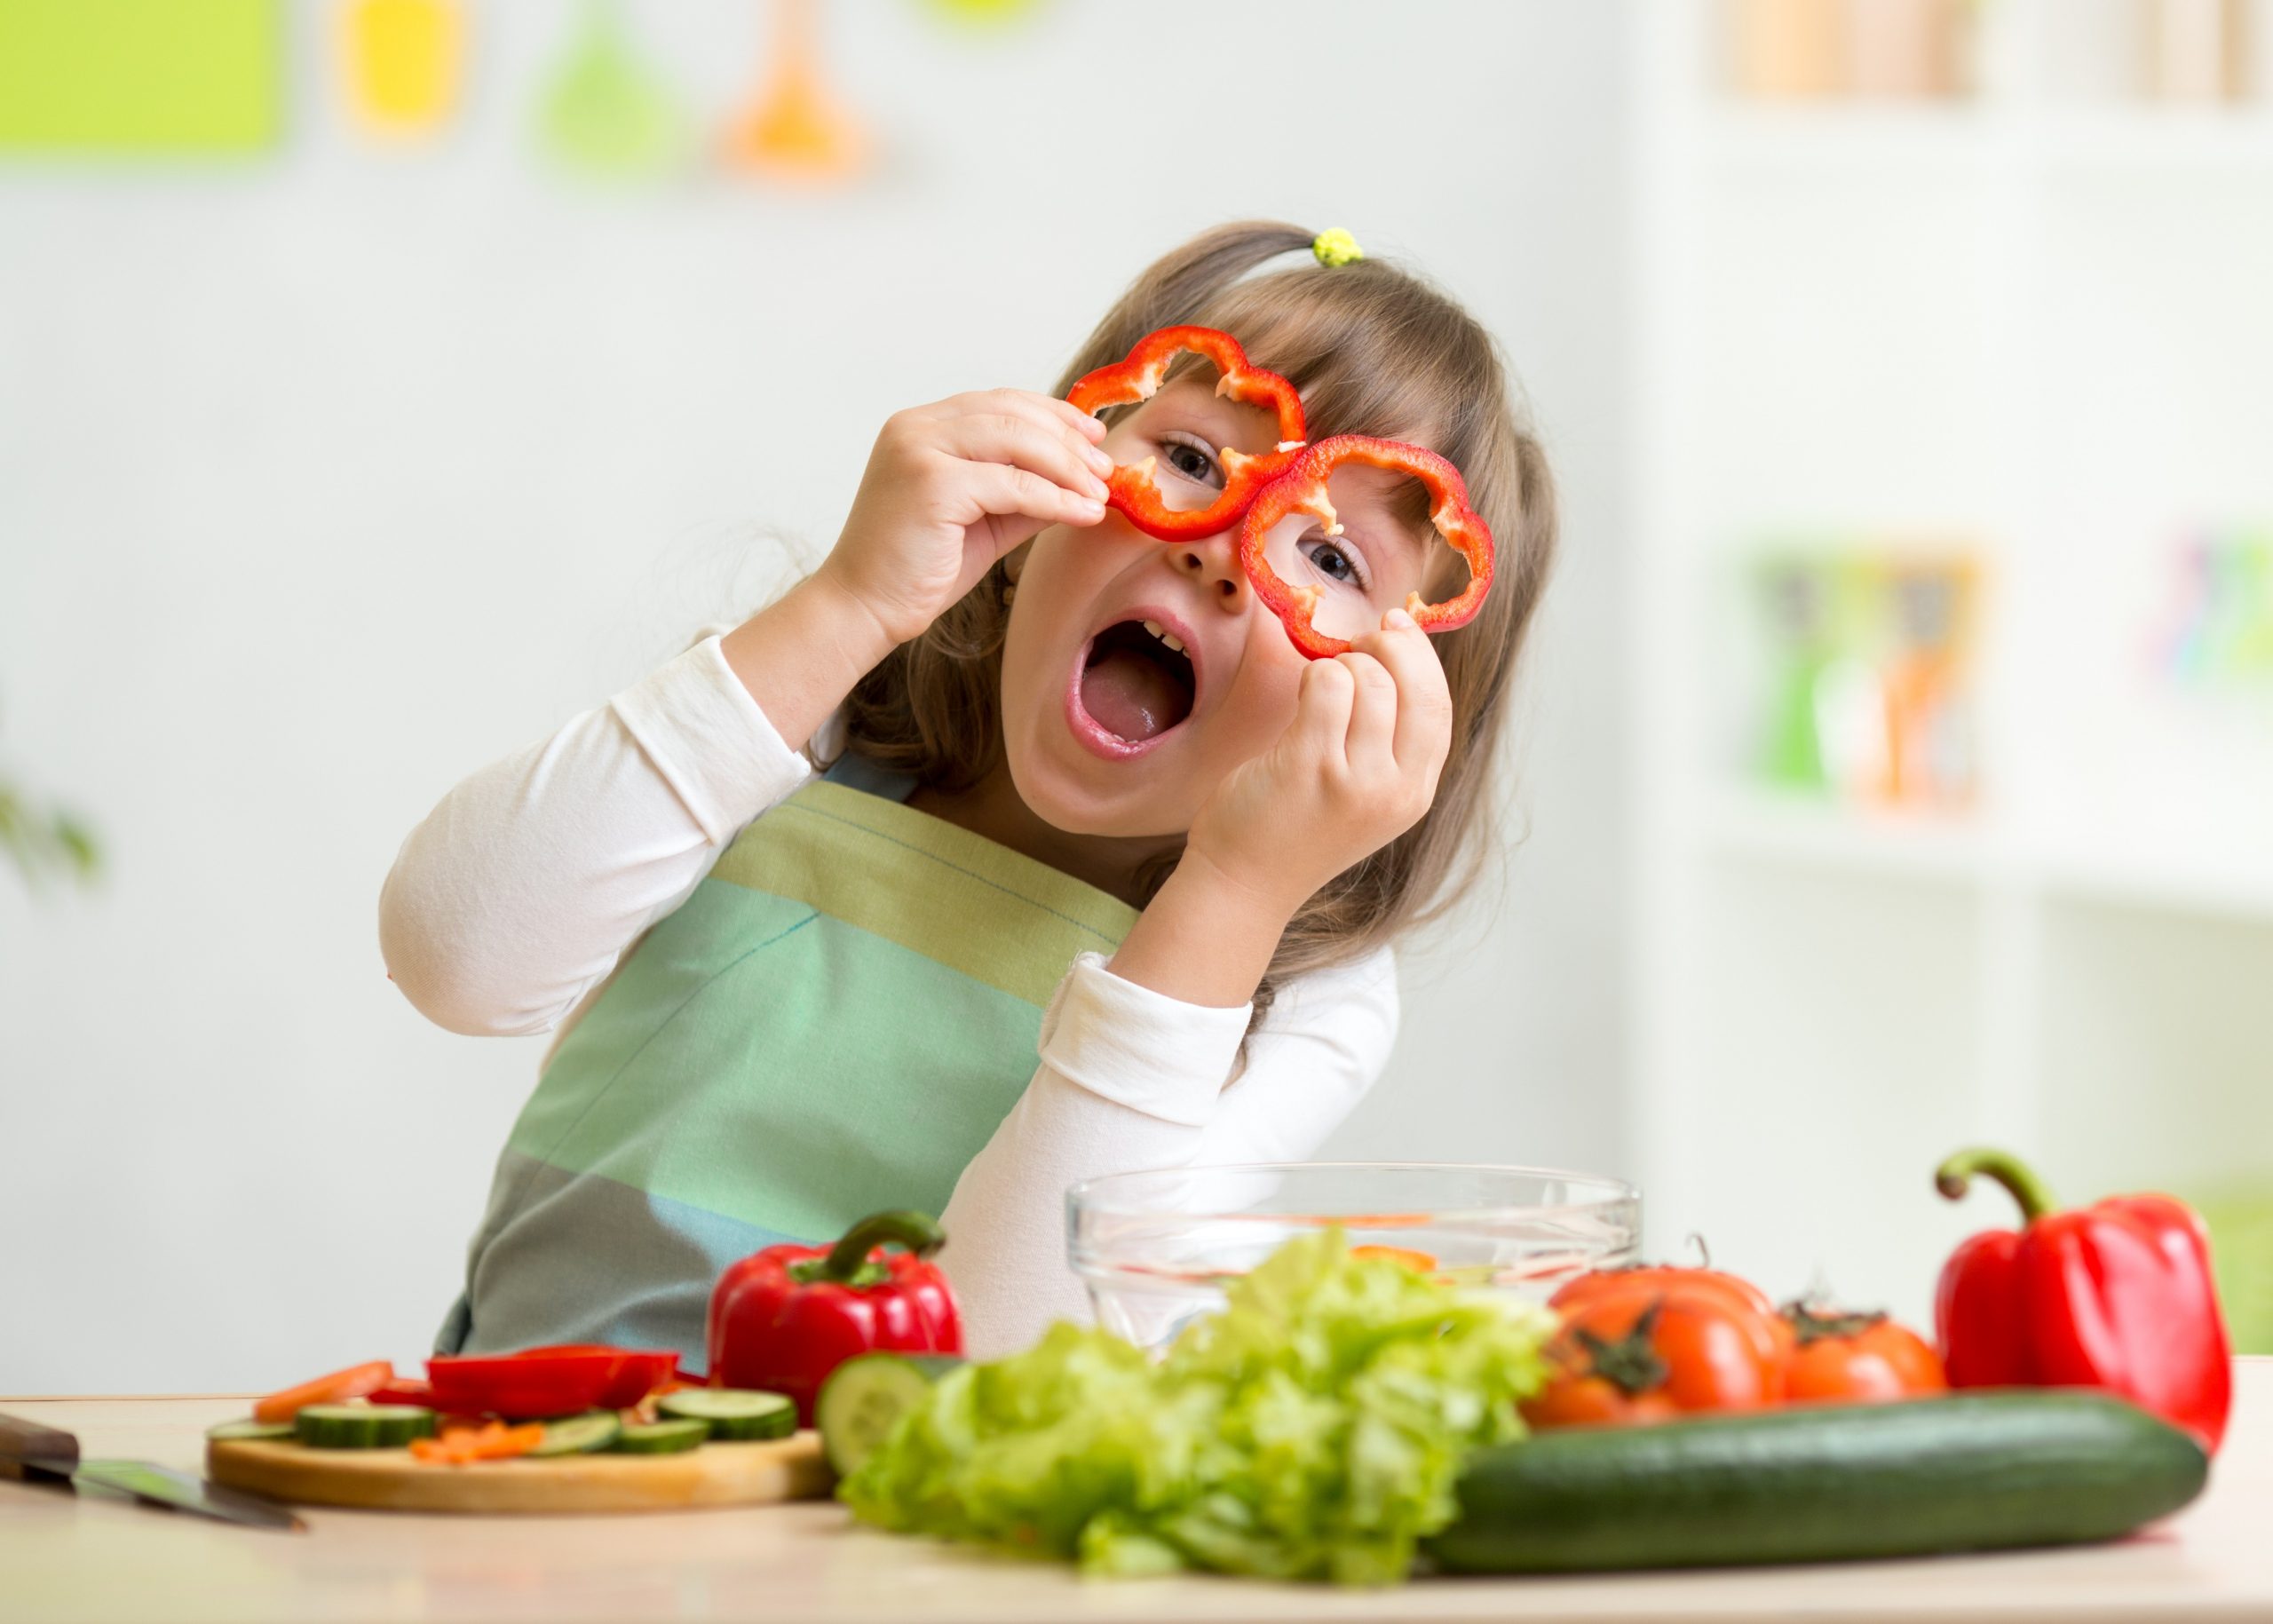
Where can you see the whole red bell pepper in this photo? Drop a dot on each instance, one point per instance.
(783, 1319)
(2116, 1295)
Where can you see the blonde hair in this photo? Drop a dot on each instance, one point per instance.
(1374, 350)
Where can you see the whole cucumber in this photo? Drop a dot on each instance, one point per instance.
(1972, 1471)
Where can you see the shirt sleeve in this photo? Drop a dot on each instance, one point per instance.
(521, 891)
(1131, 1079)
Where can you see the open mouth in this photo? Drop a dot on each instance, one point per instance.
(1134, 683)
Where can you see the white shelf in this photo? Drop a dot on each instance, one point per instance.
(2039, 329)
(1820, 834)
(1954, 849)
(1862, 140)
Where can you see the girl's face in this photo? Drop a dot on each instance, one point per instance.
(1137, 674)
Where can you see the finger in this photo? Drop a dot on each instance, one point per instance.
(1372, 741)
(1424, 703)
(1322, 710)
(1044, 411)
(998, 489)
(1021, 443)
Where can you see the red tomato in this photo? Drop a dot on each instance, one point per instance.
(1642, 1345)
(1856, 1358)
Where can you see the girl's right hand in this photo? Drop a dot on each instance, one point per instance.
(951, 488)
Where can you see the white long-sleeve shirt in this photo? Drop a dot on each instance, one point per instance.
(510, 905)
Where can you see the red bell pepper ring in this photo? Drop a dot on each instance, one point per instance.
(1302, 488)
(1131, 488)
(2116, 1295)
(783, 1319)
(541, 1381)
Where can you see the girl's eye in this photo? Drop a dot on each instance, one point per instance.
(1333, 560)
(1191, 458)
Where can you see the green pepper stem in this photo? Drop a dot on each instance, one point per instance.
(1952, 1175)
(918, 1232)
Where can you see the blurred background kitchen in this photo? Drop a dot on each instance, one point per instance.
(382, 381)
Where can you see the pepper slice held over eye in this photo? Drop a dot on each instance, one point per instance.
(1301, 488)
(1131, 488)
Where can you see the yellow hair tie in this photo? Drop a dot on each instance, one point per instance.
(1335, 246)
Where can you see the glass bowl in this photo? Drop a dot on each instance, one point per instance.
(1156, 1249)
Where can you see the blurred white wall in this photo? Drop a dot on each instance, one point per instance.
(326, 480)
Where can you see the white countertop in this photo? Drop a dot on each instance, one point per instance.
(63, 1558)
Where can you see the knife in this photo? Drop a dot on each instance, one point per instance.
(44, 1455)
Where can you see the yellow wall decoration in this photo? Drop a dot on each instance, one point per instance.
(139, 76)
(404, 62)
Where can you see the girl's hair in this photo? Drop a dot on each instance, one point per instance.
(1374, 350)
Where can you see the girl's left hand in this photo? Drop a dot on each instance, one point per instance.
(1356, 768)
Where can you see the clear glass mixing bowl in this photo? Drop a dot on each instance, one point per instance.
(1155, 1249)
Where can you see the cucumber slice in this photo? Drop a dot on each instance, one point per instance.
(250, 1431)
(361, 1426)
(580, 1434)
(662, 1438)
(734, 1413)
(865, 1396)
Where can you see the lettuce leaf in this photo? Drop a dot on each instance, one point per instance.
(1313, 1429)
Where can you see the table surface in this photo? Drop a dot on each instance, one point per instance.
(64, 1557)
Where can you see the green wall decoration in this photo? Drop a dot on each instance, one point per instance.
(140, 78)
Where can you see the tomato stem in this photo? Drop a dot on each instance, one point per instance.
(1630, 1364)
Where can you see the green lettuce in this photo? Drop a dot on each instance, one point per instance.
(1313, 1429)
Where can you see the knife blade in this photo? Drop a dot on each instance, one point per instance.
(39, 1454)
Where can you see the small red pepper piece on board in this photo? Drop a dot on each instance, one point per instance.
(783, 1319)
(1302, 488)
(2117, 1295)
(1131, 488)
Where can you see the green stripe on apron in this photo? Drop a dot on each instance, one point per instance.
(834, 1022)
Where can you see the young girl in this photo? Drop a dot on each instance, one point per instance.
(1101, 875)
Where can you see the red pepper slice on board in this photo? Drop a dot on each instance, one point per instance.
(541, 1381)
(1301, 488)
(783, 1319)
(404, 1390)
(1140, 377)
(2116, 1295)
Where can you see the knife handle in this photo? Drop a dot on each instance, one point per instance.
(25, 1444)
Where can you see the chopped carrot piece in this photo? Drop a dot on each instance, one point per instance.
(464, 1446)
(338, 1388)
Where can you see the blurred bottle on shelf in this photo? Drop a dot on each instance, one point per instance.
(2220, 635)
(2195, 50)
(1930, 722)
(1798, 50)
(1784, 50)
(1866, 677)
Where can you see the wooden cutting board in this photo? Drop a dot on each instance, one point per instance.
(715, 1474)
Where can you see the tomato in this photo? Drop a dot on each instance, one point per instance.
(341, 1385)
(1856, 1359)
(1623, 1282)
(1583, 1399)
(1642, 1345)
